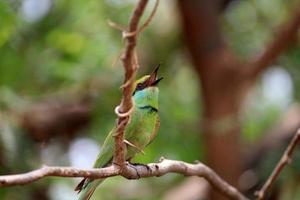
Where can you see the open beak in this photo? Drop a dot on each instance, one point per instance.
(153, 81)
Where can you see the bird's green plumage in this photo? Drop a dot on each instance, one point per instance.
(140, 131)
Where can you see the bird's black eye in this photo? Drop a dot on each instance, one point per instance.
(139, 86)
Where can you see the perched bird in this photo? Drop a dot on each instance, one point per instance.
(140, 131)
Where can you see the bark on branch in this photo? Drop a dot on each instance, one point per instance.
(130, 172)
(130, 65)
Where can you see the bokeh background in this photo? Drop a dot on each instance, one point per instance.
(59, 84)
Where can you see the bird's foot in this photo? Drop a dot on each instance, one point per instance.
(141, 164)
(134, 166)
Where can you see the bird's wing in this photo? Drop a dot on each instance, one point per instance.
(155, 130)
(106, 151)
(88, 186)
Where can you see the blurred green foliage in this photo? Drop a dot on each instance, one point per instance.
(70, 51)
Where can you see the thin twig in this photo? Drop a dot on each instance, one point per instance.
(280, 43)
(146, 23)
(285, 159)
(129, 172)
(142, 28)
(130, 71)
(115, 25)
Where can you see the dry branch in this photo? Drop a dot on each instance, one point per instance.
(130, 67)
(285, 159)
(129, 172)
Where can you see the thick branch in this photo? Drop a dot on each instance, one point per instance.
(285, 159)
(130, 172)
(130, 67)
(285, 37)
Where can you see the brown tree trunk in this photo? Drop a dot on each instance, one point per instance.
(220, 87)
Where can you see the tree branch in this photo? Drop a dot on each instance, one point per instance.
(285, 159)
(130, 65)
(285, 37)
(130, 172)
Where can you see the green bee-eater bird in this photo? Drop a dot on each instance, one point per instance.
(140, 131)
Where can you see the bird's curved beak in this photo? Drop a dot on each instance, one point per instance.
(153, 81)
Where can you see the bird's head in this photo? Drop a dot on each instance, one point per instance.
(146, 89)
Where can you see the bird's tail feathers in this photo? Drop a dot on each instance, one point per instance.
(86, 190)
